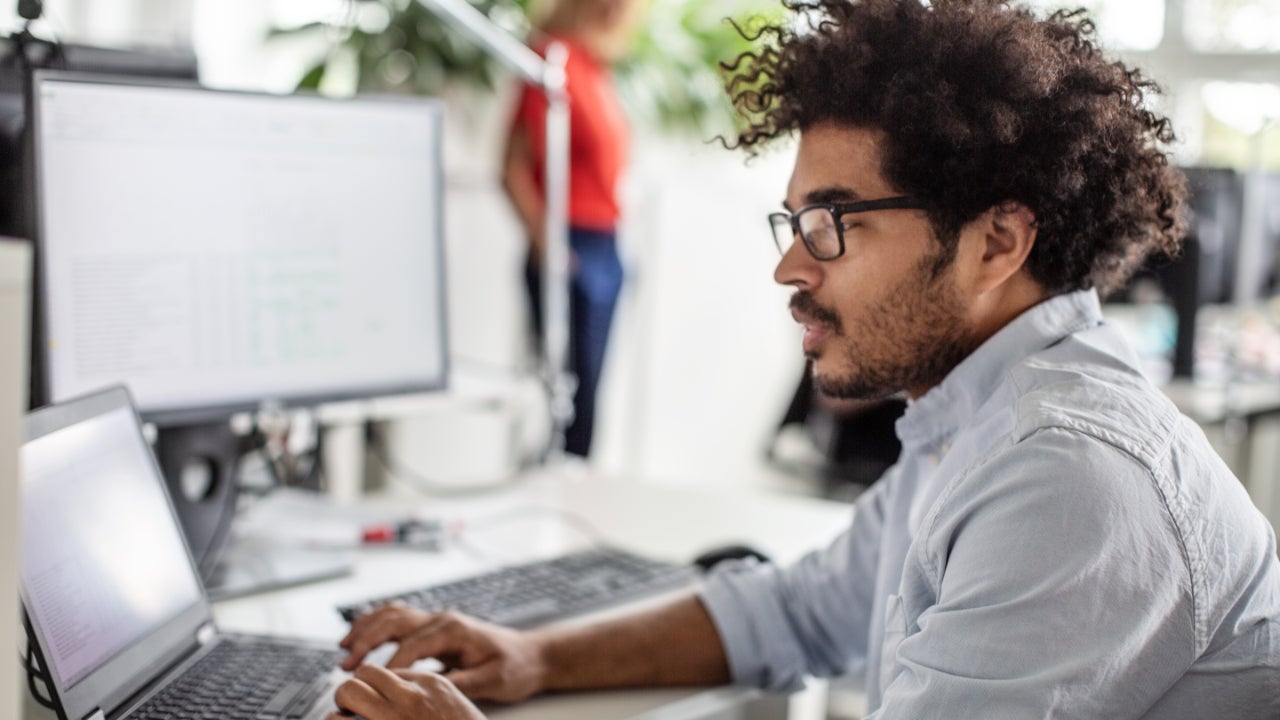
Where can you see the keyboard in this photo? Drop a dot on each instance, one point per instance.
(245, 679)
(544, 590)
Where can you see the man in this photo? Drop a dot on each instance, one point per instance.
(1056, 540)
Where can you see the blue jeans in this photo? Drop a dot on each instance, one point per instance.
(595, 282)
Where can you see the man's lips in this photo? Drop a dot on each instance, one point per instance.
(814, 331)
(813, 337)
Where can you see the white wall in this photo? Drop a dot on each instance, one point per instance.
(109, 22)
(706, 355)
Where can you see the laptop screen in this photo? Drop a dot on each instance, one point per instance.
(104, 562)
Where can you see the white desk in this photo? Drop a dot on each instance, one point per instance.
(664, 521)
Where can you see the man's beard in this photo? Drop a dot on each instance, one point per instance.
(912, 338)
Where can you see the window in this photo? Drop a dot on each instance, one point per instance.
(1233, 25)
(1241, 125)
(1122, 24)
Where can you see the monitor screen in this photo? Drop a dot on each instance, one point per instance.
(215, 250)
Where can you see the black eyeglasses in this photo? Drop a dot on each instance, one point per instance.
(821, 227)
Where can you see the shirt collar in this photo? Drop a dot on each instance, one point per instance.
(937, 414)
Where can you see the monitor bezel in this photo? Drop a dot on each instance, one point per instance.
(131, 669)
(217, 412)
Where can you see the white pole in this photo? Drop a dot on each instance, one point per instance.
(549, 76)
(555, 265)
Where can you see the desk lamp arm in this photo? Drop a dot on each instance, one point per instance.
(549, 75)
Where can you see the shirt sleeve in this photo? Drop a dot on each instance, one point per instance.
(812, 618)
(1062, 591)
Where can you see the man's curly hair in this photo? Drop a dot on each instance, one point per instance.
(981, 103)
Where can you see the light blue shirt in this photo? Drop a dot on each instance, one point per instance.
(1056, 540)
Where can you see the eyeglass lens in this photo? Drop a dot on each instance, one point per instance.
(817, 226)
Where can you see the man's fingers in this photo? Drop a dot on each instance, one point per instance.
(362, 623)
(384, 628)
(357, 696)
(444, 635)
(386, 683)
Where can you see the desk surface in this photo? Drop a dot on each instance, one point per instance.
(541, 517)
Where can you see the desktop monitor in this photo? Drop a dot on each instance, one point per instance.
(1205, 271)
(220, 251)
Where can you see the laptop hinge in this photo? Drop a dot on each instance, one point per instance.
(204, 634)
(96, 715)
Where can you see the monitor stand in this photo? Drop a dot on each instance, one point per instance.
(200, 465)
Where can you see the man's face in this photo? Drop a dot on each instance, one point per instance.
(881, 317)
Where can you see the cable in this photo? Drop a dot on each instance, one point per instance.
(218, 539)
(217, 546)
(35, 672)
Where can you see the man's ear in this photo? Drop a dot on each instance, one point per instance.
(1008, 234)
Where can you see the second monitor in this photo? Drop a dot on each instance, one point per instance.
(215, 249)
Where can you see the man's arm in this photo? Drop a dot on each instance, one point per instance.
(676, 644)
(672, 645)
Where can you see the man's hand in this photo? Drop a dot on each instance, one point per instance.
(380, 694)
(484, 661)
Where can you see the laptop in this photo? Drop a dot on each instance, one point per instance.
(119, 618)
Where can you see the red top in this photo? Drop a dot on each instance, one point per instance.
(597, 136)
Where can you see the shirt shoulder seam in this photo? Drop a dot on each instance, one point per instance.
(1140, 462)
(1146, 465)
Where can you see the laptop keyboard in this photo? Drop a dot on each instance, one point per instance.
(245, 679)
(544, 590)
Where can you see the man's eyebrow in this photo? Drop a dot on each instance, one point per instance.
(831, 194)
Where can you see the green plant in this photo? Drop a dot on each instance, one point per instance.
(400, 46)
(669, 81)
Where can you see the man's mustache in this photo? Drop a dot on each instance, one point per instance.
(804, 303)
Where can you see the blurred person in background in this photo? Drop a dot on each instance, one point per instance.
(596, 34)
